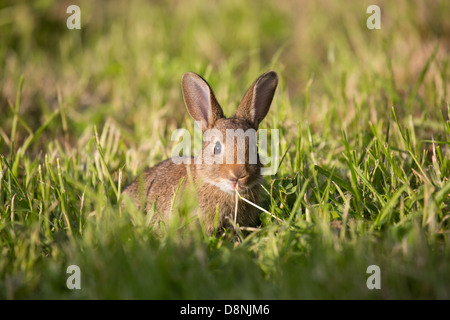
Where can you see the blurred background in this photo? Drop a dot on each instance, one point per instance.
(127, 60)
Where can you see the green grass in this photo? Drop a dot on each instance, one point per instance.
(364, 130)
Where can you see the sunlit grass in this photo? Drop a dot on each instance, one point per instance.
(364, 139)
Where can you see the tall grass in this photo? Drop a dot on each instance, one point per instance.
(364, 137)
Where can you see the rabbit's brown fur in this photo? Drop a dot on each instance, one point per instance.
(214, 182)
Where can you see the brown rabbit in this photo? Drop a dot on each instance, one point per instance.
(216, 182)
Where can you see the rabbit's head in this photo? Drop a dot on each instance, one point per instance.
(229, 158)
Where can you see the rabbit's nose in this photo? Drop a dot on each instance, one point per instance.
(238, 183)
(238, 179)
(238, 174)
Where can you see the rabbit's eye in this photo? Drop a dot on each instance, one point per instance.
(217, 148)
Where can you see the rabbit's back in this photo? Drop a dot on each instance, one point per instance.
(159, 183)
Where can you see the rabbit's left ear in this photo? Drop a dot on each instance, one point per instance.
(256, 102)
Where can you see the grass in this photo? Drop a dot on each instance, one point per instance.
(364, 133)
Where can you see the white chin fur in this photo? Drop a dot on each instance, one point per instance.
(226, 186)
(223, 185)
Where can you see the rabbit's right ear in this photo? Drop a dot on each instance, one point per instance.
(200, 101)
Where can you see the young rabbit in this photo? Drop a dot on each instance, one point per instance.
(215, 183)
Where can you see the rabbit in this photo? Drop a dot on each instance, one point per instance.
(215, 183)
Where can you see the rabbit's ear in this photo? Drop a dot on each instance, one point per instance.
(256, 102)
(200, 101)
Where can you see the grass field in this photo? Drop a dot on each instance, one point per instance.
(364, 137)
